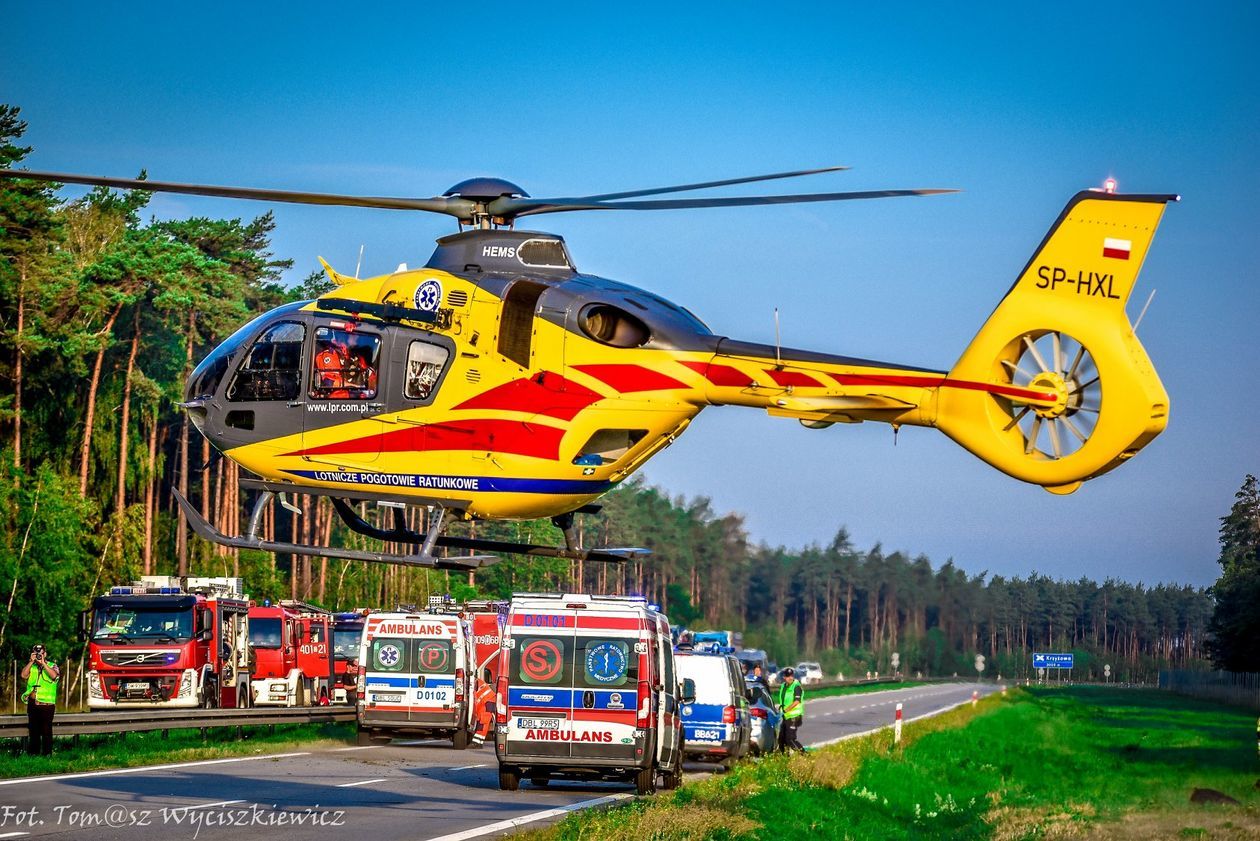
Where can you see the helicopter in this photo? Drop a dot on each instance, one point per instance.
(498, 381)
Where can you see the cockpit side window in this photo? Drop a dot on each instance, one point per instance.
(346, 364)
(425, 363)
(272, 370)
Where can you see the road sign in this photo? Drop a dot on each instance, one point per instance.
(1053, 661)
(979, 662)
(1107, 671)
(896, 660)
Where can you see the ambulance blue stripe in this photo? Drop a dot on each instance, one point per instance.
(564, 698)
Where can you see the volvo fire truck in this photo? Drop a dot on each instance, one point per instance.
(169, 642)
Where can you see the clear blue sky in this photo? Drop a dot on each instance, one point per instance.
(1019, 109)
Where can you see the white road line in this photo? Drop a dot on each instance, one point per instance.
(466, 767)
(144, 768)
(13, 834)
(421, 742)
(359, 747)
(361, 783)
(208, 805)
(512, 823)
(887, 726)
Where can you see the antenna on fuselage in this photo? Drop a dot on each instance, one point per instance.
(778, 356)
(359, 264)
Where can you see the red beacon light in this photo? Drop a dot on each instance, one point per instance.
(1109, 186)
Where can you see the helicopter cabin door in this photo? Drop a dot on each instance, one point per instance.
(344, 394)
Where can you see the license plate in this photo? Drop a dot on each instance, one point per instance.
(538, 723)
(140, 686)
(388, 698)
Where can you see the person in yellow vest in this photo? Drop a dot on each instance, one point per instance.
(40, 696)
(792, 702)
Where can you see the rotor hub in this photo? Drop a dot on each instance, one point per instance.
(1053, 382)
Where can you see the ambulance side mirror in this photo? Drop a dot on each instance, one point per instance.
(688, 691)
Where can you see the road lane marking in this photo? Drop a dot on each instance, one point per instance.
(357, 747)
(361, 783)
(208, 805)
(512, 823)
(13, 834)
(466, 767)
(143, 768)
(887, 726)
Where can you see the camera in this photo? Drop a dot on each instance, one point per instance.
(37, 650)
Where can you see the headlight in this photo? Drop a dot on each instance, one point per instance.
(186, 683)
(279, 687)
(94, 686)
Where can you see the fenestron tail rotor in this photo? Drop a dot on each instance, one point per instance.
(487, 202)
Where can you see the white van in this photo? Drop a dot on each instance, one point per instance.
(415, 678)
(587, 690)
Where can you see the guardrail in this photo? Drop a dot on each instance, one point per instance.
(119, 721)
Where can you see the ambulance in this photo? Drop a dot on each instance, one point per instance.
(415, 675)
(587, 690)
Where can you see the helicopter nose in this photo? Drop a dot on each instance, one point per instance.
(197, 412)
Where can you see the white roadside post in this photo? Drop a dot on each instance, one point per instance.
(897, 726)
(975, 696)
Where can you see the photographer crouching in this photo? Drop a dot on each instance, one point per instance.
(41, 700)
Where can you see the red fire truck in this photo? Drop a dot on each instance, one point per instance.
(347, 635)
(168, 642)
(291, 651)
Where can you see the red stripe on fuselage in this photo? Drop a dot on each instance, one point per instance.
(721, 375)
(940, 381)
(630, 378)
(494, 436)
(547, 394)
(792, 378)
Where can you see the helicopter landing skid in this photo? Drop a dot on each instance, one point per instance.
(401, 534)
(250, 540)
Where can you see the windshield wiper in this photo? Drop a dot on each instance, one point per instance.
(159, 634)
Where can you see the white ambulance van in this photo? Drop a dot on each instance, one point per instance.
(587, 690)
(415, 676)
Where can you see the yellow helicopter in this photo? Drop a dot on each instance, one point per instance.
(499, 381)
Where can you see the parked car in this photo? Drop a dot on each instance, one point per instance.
(766, 718)
(717, 726)
(772, 675)
(809, 672)
(750, 659)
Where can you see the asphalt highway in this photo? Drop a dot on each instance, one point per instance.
(418, 790)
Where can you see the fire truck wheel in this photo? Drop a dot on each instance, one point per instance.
(509, 778)
(645, 781)
(460, 740)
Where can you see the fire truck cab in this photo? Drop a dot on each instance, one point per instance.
(415, 675)
(587, 690)
(347, 633)
(168, 642)
(291, 648)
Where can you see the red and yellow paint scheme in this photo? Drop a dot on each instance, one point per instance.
(1055, 389)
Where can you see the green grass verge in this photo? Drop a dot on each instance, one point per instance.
(1041, 763)
(91, 753)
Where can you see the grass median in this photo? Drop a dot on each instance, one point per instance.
(1040, 763)
(129, 750)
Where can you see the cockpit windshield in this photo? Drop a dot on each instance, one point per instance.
(205, 379)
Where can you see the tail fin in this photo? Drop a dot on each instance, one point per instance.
(1076, 393)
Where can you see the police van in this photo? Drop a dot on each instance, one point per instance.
(717, 724)
(415, 676)
(587, 690)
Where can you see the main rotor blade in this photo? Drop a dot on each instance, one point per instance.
(450, 206)
(526, 207)
(680, 188)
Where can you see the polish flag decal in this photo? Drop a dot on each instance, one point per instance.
(1117, 248)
